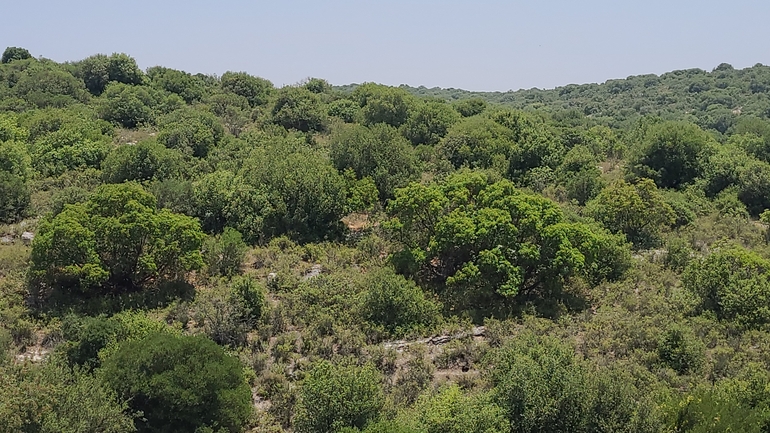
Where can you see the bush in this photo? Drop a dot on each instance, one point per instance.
(333, 397)
(681, 350)
(734, 283)
(224, 253)
(116, 242)
(14, 198)
(396, 304)
(180, 384)
(452, 411)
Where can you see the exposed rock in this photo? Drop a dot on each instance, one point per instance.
(27, 237)
(314, 272)
(6, 240)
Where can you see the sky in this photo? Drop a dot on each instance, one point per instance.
(480, 45)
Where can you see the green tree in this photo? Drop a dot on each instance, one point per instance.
(299, 108)
(99, 70)
(639, 211)
(487, 242)
(671, 153)
(144, 161)
(429, 122)
(192, 131)
(256, 90)
(127, 105)
(470, 107)
(15, 53)
(681, 350)
(54, 398)
(383, 104)
(478, 142)
(117, 241)
(335, 396)
(187, 86)
(379, 152)
(180, 384)
(734, 283)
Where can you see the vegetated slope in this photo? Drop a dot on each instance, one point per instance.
(183, 252)
(713, 100)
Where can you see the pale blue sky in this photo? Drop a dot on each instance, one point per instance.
(474, 45)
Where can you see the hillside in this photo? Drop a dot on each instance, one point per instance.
(182, 252)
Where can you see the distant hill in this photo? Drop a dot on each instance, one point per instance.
(714, 100)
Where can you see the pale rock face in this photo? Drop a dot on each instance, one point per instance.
(27, 237)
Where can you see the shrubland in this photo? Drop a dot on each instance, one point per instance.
(184, 252)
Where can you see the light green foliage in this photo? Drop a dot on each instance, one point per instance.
(256, 90)
(334, 396)
(734, 283)
(52, 398)
(15, 53)
(189, 87)
(382, 104)
(639, 211)
(580, 175)
(224, 253)
(396, 304)
(536, 144)
(46, 84)
(478, 142)
(363, 195)
(306, 193)
(141, 162)
(117, 241)
(379, 153)
(541, 386)
(127, 105)
(224, 199)
(344, 109)
(191, 131)
(299, 108)
(180, 384)
(429, 122)
(452, 411)
(671, 153)
(489, 241)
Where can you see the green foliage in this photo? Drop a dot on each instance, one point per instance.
(256, 90)
(14, 197)
(451, 410)
(187, 86)
(15, 53)
(396, 304)
(334, 396)
(470, 107)
(306, 193)
(299, 108)
(671, 153)
(379, 153)
(478, 142)
(179, 383)
(224, 253)
(141, 162)
(117, 241)
(382, 104)
(639, 211)
(224, 199)
(681, 350)
(489, 241)
(127, 105)
(344, 109)
(99, 70)
(536, 144)
(734, 283)
(53, 398)
(194, 132)
(429, 122)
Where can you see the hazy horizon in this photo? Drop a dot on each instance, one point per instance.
(484, 46)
